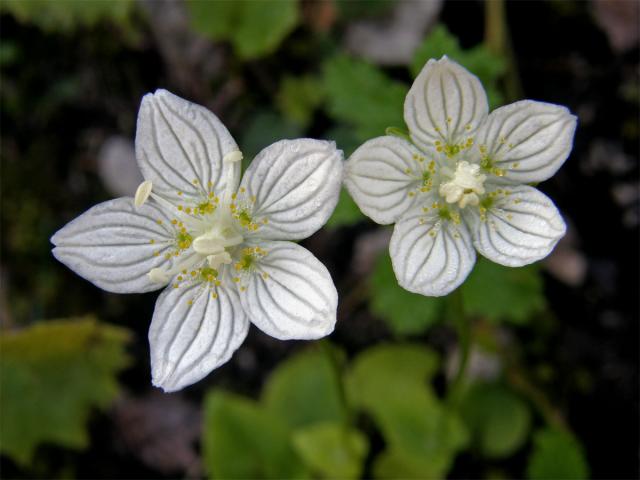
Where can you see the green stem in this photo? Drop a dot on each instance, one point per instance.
(330, 353)
(498, 41)
(463, 329)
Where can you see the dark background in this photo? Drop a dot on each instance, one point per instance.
(68, 93)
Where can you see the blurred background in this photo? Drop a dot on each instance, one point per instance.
(551, 388)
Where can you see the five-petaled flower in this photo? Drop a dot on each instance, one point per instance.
(462, 180)
(218, 244)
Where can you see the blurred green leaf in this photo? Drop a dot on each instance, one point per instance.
(499, 420)
(556, 455)
(254, 27)
(243, 440)
(298, 98)
(263, 129)
(332, 450)
(345, 138)
(346, 212)
(389, 383)
(503, 293)
(9, 53)
(404, 312)
(304, 390)
(68, 15)
(51, 376)
(362, 96)
(394, 464)
(487, 66)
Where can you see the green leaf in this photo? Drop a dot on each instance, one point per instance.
(388, 382)
(255, 28)
(332, 450)
(298, 98)
(305, 390)
(503, 293)
(487, 66)
(404, 312)
(68, 15)
(393, 464)
(346, 212)
(362, 96)
(556, 455)
(345, 138)
(244, 440)
(262, 130)
(499, 420)
(51, 377)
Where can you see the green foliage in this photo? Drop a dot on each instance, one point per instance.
(362, 97)
(422, 433)
(332, 450)
(487, 66)
(244, 440)
(499, 420)
(503, 293)
(305, 390)
(345, 138)
(346, 212)
(556, 455)
(404, 312)
(300, 426)
(68, 15)
(265, 128)
(298, 98)
(51, 377)
(255, 28)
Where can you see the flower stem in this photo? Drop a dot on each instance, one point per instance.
(463, 330)
(331, 355)
(498, 40)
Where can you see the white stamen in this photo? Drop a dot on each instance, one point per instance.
(213, 243)
(218, 259)
(465, 186)
(232, 157)
(142, 193)
(158, 275)
(207, 245)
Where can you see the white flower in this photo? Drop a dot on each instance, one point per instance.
(218, 244)
(461, 181)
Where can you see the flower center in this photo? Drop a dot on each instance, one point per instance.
(465, 187)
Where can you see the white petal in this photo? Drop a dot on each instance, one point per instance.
(111, 245)
(520, 228)
(446, 103)
(380, 174)
(193, 333)
(430, 256)
(180, 146)
(296, 185)
(528, 140)
(296, 299)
